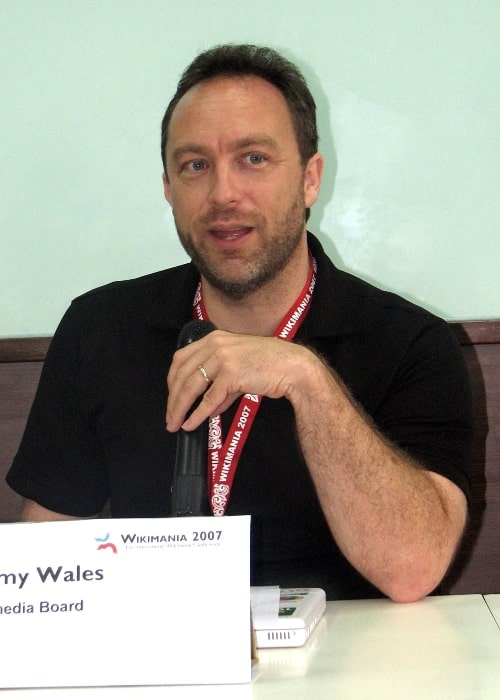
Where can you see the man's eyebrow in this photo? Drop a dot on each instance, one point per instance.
(180, 151)
(250, 141)
(255, 140)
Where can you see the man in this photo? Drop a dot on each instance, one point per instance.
(349, 446)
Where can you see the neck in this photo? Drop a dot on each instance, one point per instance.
(260, 312)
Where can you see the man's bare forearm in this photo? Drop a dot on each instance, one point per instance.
(397, 523)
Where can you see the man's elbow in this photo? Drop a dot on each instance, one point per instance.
(33, 512)
(412, 583)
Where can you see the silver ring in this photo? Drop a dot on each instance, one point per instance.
(204, 374)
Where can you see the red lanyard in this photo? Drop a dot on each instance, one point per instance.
(224, 457)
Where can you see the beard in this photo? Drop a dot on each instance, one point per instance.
(264, 265)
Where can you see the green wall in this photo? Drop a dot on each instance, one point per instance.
(409, 91)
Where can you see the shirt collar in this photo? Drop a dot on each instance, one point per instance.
(171, 299)
(336, 308)
(333, 310)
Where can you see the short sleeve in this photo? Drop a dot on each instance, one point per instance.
(59, 463)
(428, 409)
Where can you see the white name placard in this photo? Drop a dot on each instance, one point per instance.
(163, 601)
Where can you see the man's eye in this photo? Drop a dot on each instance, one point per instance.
(195, 166)
(254, 158)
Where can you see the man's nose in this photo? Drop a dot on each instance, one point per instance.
(225, 186)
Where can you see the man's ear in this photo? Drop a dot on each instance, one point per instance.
(166, 189)
(312, 179)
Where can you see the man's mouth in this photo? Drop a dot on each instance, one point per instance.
(230, 233)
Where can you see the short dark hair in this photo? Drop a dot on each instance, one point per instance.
(260, 61)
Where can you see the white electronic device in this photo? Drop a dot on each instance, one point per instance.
(291, 624)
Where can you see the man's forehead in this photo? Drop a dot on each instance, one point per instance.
(231, 88)
(225, 81)
(230, 100)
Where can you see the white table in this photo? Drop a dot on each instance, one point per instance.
(441, 647)
(493, 602)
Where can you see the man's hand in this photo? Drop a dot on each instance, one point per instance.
(235, 365)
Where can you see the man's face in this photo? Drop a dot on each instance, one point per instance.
(236, 184)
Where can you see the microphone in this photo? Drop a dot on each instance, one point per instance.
(189, 489)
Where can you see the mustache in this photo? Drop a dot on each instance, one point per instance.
(221, 215)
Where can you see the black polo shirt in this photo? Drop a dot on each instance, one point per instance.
(96, 430)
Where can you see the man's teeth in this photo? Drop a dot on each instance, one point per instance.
(231, 235)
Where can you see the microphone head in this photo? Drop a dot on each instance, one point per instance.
(194, 330)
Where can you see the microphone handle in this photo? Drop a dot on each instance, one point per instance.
(189, 493)
(189, 490)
